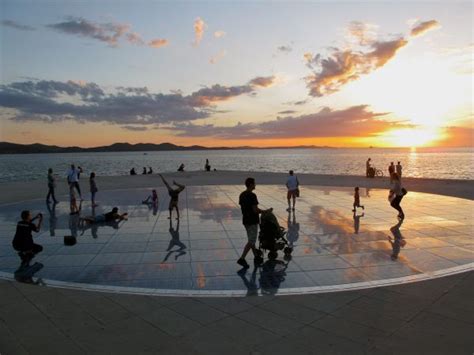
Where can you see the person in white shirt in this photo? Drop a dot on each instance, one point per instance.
(292, 184)
(73, 178)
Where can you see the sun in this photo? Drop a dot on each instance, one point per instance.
(410, 137)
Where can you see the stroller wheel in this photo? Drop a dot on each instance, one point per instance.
(272, 255)
(287, 257)
(258, 254)
(288, 250)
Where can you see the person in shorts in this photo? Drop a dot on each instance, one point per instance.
(292, 184)
(250, 218)
(174, 195)
(23, 239)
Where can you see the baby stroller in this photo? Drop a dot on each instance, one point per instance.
(272, 238)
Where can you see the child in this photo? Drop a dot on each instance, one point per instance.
(93, 188)
(153, 198)
(72, 201)
(357, 200)
(23, 240)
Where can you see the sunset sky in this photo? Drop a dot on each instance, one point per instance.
(346, 74)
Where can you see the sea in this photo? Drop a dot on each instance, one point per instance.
(438, 163)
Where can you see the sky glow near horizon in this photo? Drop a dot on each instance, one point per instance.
(232, 74)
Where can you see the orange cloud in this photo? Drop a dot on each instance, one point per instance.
(263, 81)
(199, 26)
(217, 57)
(157, 43)
(424, 27)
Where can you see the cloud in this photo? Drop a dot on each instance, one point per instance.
(135, 128)
(350, 122)
(344, 65)
(199, 26)
(135, 38)
(423, 27)
(109, 33)
(285, 48)
(361, 33)
(219, 34)
(106, 32)
(157, 43)
(217, 57)
(263, 81)
(17, 26)
(55, 101)
(287, 112)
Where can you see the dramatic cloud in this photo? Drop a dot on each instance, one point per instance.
(157, 43)
(17, 26)
(108, 32)
(219, 34)
(55, 101)
(423, 27)
(217, 57)
(285, 48)
(344, 65)
(354, 121)
(199, 26)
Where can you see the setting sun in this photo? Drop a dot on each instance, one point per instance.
(418, 137)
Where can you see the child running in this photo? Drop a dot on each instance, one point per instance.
(174, 193)
(357, 200)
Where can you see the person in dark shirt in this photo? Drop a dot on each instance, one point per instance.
(144, 171)
(132, 171)
(150, 170)
(111, 216)
(181, 167)
(174, 195)
(23, 240)
(250, 218)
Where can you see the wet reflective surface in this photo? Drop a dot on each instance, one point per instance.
(333, 248)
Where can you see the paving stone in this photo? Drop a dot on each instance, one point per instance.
(291, 310)
(197, 311)
(270, 321)
(171, 322)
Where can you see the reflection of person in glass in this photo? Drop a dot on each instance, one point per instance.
(357, 218)
(52, 219)
(293, 230)
(250, 283)
(74, 220)
(174, 241)
(272, 274)
(398, 241)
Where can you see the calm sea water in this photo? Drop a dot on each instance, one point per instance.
(455, 163)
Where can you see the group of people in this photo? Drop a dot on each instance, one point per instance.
(248, 201)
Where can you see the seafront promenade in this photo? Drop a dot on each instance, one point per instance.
(431, 316)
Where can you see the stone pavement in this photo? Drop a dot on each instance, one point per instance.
(435, 317)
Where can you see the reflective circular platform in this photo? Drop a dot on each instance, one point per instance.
(334, 249)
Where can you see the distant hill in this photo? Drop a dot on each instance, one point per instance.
(13, 148)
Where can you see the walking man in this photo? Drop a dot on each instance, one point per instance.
(391, 171)
(250, 218)
(51, 186)
(73, 179)
(367, 168)
(292, 184)
(398, 168)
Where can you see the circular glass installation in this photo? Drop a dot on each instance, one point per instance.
(332, 247)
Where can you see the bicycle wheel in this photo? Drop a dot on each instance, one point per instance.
(379, 173)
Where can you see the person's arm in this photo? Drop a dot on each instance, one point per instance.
(297, 182)
(40, 220)
(123, 216)
(256, 209)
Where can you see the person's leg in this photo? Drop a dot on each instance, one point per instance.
(37, 249)
(78, 188)
(354, 207)
(49, 195)
(53, 195)
(288, 197)
(294, 200)
(177, 211)
(93, 198)
(396, 204)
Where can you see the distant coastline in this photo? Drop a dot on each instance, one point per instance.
(37, 148)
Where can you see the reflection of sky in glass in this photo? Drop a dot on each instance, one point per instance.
(200, 253)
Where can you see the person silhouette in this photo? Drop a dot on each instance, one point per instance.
(357, 218)
(174, 241)
(398, 241)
